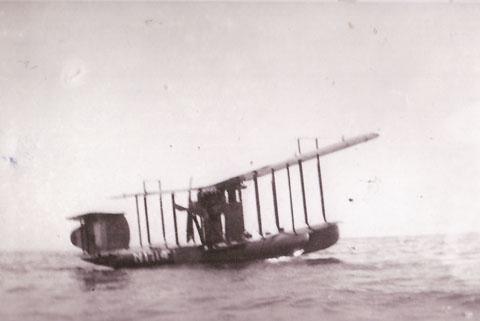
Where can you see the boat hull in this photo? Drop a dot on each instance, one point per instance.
(306, 240)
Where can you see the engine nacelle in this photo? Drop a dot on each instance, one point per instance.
(101, 232)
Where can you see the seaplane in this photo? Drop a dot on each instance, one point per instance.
(215, 225)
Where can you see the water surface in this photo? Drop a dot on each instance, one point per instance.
(408, 278)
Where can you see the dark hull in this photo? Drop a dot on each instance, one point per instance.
(282, 244)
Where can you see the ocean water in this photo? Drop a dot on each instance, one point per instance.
(407, 278)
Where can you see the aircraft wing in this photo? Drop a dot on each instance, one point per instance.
(265, 170)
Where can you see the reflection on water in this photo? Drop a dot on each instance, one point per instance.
(94, 280)
(322, 261)
(414, 279)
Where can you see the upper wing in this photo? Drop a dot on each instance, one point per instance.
(262, 171)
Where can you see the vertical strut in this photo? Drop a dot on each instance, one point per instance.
(291, 200)
(320, 182)
(257, 199)
(138, 222)
(275, 204)
(203, 235)
(302, 182)
(161, 212)
(175, 219)
(146, 212)
(190, 216)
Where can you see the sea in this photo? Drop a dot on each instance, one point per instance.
(393, 278)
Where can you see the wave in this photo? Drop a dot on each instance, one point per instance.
(414, 278)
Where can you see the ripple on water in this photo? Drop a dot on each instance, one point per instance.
(425, 278)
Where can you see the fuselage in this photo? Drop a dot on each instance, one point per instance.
(305, 240)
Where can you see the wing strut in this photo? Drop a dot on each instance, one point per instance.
(302, 183)
(138, 222)
(291, 200)
(161, 212)
(275, 204)
(146, 213)
(257, 200)
(175, 219)
(190, 218)
(322, 199)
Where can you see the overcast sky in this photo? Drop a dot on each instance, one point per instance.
(96, 97)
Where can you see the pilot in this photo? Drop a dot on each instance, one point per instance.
(213, 204)
(209, 207)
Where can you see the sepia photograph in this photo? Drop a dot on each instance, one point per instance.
(224, 160)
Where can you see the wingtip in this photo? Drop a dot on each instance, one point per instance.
(373, 135)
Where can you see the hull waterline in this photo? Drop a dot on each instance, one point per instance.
(305, 240)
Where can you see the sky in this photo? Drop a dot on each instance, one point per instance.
(97, 97)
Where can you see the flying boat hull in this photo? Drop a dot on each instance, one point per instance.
(305, 240)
